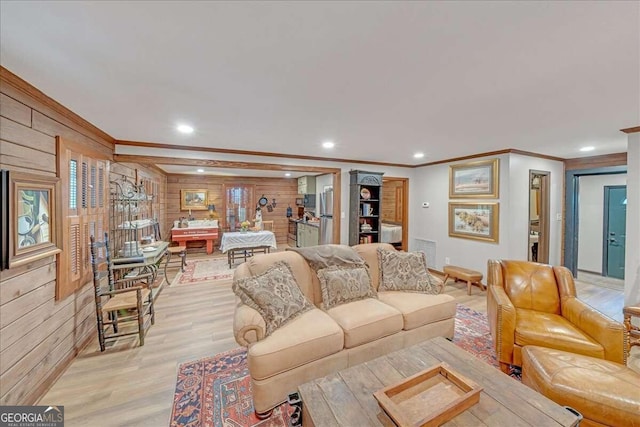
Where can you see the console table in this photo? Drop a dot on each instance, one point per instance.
(190, 234)
(144, 265)
(245, 244)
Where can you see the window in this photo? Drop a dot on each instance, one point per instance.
(239, 205)
(83, 219)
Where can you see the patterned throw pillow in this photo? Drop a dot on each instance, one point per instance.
(274, 294)
(341, 284)
(405, 271)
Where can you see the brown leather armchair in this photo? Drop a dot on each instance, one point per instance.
(535, 304)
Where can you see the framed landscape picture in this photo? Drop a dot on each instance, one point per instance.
(477, 221)
(474, 179)
(195, 200)
(32, 217)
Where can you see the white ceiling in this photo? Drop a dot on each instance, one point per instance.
(381, 79)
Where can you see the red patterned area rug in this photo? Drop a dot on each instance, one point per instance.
(204, 270)
(216, 391)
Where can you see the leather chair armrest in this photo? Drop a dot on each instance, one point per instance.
(248, 325)
(502, 322)
(606, 331)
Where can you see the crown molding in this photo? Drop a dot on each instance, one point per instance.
(635, 129)
(157, 160)
(254, 153)
(492, 153)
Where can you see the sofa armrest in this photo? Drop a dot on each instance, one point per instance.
(248, 325)
(437, 281)
(502, 322)
(606, 331)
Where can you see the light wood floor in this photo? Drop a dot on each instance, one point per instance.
(129, 385)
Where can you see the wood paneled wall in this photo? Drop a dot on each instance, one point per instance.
(38, 335)
(619, 159)
(392, 201)
(284, 190)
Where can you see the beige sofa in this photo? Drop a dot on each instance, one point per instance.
(320, 342)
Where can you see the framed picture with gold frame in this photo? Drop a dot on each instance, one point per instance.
(474, 179)
(33, 228)
(196, 200)
(477, 221)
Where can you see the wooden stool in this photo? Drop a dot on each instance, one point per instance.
(472, 277)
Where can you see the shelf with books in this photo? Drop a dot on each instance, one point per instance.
(364, 207)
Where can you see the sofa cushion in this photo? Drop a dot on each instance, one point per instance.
(551, 330)
(405, 271)
(310, 336)
(420, 309)
(274, 294)
(340, 285)
(366, 320)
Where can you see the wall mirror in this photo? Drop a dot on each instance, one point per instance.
(538, 237)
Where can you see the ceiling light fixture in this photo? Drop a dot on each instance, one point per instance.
(418, 155)
(200, 170)
(287, 174)
(184, 129)
(328, 144)
(590, 148)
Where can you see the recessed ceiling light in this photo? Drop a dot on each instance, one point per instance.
(328, 144)
(200, 170)
(590, 148)
(287, 174)
(184, 128)
(418, 155)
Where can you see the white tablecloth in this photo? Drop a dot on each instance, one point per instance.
(248, 240)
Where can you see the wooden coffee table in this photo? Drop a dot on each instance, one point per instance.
(346, 397)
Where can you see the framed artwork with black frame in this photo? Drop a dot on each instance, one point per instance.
(33, 215)
(4, 219)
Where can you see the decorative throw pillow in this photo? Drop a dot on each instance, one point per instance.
(324, 256)
(341, 284)
(274, 294)
(405, 271)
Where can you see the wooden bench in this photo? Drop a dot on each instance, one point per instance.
(472, 277)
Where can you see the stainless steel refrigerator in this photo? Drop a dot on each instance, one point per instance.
(326, 217)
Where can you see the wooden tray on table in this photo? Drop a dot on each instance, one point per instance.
(428, 398)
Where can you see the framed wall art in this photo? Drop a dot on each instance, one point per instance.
(474, 179)
(195, 200)
(33, 228)
(477, 221)
(4, 219)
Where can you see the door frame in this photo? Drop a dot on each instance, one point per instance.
(605, 228)
(543, 215)
(571, 192)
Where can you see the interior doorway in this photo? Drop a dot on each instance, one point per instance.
(573, 238)
(615, 225)
(538, 243)
(395, 212)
